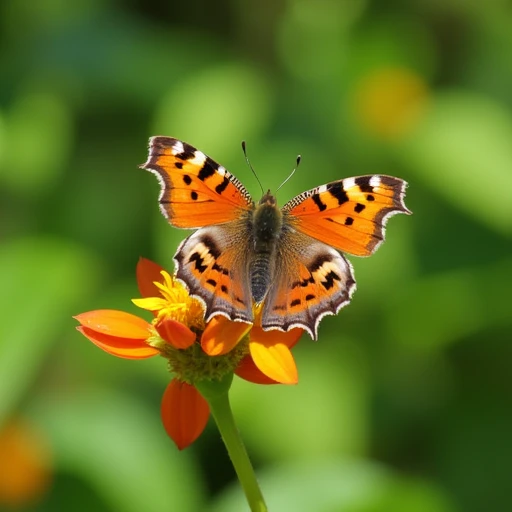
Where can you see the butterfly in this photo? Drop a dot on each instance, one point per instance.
(285, 263)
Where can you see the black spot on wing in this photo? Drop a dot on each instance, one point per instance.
(194, 195)
(369, 197)
(220, 269)
(209, 168)
(318, 202)
(303, 283)
(329, 280)
(349, 221)
(187, 179)
(318, 262)
(178, 165)
(295, 302)
(212, 247)
(212, 282)
(187, 153)
(222, 186)
(363, 182)
(336, 190)
(196, 258)
(310, 296)
(224, 288)
(358, 208)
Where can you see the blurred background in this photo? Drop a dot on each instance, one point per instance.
(404, 404)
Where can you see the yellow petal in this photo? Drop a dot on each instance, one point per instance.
(150, 303)
(275, 360)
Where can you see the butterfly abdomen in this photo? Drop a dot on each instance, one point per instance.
(266, 226)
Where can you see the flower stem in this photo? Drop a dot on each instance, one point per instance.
(221, 411)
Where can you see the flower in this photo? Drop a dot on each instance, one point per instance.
(196, 351)
(25, 464)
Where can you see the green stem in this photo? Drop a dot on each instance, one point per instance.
(221, 411)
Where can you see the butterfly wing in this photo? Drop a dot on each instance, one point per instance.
(213, 262)
(349, 214)
(311, 280)
(196, 191)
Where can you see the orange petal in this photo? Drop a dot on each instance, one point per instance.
(221, 335)
(115, 323)
(147, 273)
(270, 353)
(128, 348)
(247, 370)
(184, 413)
(175, 333)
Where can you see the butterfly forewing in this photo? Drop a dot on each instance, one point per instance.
(196, 191)
(349, 214)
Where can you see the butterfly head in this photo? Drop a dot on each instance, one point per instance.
(268, 199)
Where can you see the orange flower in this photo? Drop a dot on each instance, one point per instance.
(25, 465)
(195, 351)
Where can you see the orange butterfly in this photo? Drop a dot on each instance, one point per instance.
(286, 260)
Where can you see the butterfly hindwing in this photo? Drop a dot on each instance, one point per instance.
(196, 191)
(349, 214)
(213, 263)
(311, 280)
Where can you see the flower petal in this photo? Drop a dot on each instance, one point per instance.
(247, 370)
(128, 348)
(184, 413)
(147, 273)
(153, 304)
(175, 333)
(271, 354)
(221, 335)
(289, 338)
(115, 323)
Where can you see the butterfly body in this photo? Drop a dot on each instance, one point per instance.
(266, 225)
(287, 260)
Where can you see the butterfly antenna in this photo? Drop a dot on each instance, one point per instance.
(291, 174)
(250, 166)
